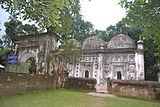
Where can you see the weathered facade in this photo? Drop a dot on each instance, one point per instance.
(120, 58)
(37, 47)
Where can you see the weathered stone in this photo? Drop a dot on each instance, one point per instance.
(25, 82)
(134, 88)
(117, 59)
(37, 47)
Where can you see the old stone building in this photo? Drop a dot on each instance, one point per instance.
(120, 58)
(36, 47)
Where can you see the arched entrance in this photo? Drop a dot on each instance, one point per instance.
(86, 74)
(26, 56)
(31, 65)
(119, 75)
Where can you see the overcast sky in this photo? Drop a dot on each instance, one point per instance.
(101, 13)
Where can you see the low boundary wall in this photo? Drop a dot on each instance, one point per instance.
(135, 88)
(81, 83)
(13, 83)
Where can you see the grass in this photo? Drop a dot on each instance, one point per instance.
(66, 98)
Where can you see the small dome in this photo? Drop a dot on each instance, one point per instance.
(75, 42)
(93, 42)
(121, 41)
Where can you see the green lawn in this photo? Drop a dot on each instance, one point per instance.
(66, 98)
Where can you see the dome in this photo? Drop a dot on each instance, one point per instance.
(93, 42)
(75, 42)
(121, 41)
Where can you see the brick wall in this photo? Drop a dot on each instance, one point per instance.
(13, 83)
(138, 89)
(81, 83)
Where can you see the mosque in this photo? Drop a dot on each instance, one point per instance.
(120, 58)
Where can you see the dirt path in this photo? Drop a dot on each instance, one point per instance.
(101, 94)
(100, 100)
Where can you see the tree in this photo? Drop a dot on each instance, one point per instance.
(13, 27)
(70, 52)
(1, 42)
(4, 52)
(151, 61)
(46, 13)
(81, 29)
(144, 14)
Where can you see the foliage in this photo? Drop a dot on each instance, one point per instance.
(70, 52)
(81, 29)
(1, 42)
(13, 27)
(152, 66)
(144, 14)
(46, 13)
(4, 52)
(116, 29)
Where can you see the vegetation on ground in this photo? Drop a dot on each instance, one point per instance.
(66, 98)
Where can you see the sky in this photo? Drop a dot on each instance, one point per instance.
(101, 13)
(3, 18)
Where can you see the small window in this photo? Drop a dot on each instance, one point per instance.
(77, 75)
(77, 71)
(95, 75)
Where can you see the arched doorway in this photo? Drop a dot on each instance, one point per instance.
(119, 75)
(86, 74)
(31, 65)
(26, 56)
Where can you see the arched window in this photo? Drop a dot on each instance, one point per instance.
(86, 74)
(119, 76)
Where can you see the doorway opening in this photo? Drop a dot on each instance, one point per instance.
(119, 75)
(31, 65)
(86, 74)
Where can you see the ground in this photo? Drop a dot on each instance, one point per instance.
(68, 98)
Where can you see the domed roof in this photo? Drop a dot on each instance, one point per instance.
(75, 42)
(93, 42)
(121, 41)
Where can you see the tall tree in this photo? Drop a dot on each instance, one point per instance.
(70, 52)
(145, 15)
(13, 27)
(79, 30)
